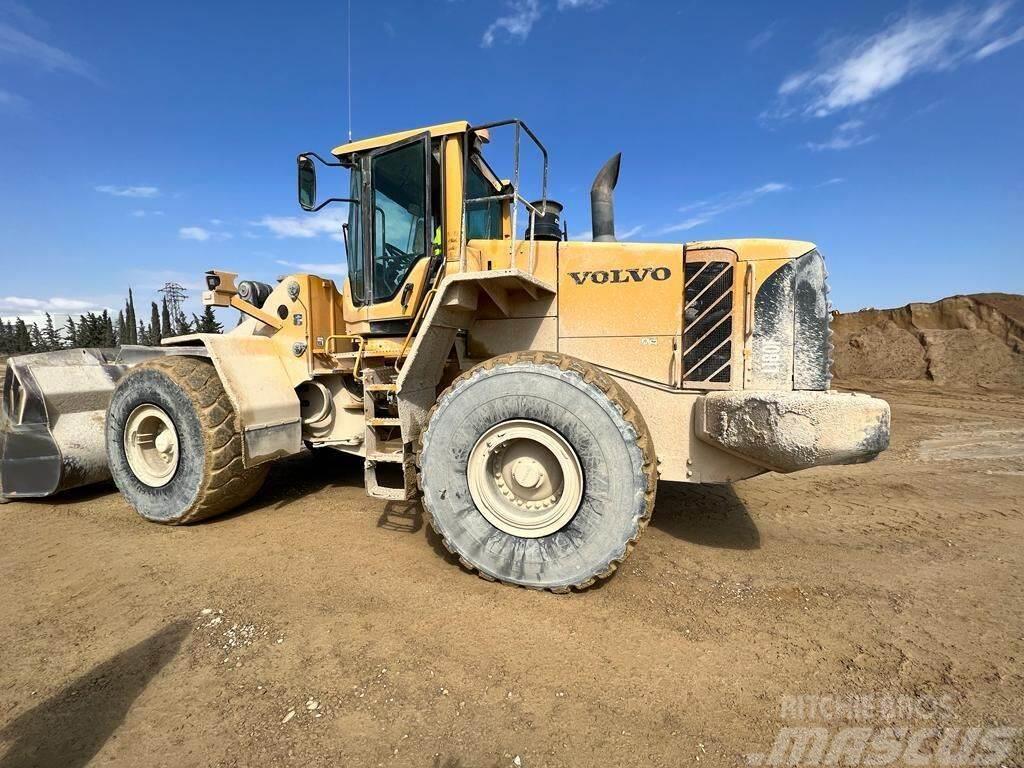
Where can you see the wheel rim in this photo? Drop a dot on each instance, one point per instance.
(151, 445)
(525, 479)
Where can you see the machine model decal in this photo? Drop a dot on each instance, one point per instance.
(632, 275)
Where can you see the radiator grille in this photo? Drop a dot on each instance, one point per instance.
(707, 333)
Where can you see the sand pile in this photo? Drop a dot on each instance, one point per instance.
(962, 342)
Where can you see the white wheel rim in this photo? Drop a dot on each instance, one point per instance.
(151, 445)
(525, 479)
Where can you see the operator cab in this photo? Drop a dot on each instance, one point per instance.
(402, 223)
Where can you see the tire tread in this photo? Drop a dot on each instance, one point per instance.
(616, 395)
(226, 483)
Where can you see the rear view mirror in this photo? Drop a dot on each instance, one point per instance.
(307, 183)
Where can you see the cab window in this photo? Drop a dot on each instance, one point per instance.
(483, 219)
(399, 207)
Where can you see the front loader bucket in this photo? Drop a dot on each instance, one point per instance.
(51, 421)
(52, 433)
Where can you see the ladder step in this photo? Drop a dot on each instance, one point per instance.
(396, 457)
(384, 421)
(391, 494)
(380, 387)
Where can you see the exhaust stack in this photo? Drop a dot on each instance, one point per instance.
(602, 206)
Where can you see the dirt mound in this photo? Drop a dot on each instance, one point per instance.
(962, 342)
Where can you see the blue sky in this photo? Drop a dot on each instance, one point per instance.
(145, 142)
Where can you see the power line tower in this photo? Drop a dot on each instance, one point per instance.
(175, 295)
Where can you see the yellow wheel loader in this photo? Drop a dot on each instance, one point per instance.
(530, 389)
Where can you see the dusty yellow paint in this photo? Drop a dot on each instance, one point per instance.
(758, 248)
(443, 129)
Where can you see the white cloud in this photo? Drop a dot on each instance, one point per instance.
(999, 44)
(852, 72)
(846, 135)
(141, 214)
(324, 270)
(18, 44)
(12, 101)
(569, 5)
(146, 192)
(706, 210)
(327, 222)
(33, 310)
(202, 235)
(518, 23)
(216, 222)
(833, 181)
(762, 38)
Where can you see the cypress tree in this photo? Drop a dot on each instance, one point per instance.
(130, 320)
(165, 321)
(154, 326)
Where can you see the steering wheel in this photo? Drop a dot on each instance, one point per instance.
(393, 265)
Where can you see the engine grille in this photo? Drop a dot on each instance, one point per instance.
(707, 333)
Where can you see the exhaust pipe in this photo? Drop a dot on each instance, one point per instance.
(602, 206)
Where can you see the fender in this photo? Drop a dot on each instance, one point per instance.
(259, 389)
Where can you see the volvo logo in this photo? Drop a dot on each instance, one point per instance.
(633, 275)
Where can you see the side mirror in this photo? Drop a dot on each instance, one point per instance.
(307, 183)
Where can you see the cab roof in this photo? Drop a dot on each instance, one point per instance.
(443, 129)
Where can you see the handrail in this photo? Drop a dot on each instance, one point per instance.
(514, 195)
(360, 343)
(418, 317)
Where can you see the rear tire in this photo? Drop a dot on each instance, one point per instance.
(182, 401)
(552, 416)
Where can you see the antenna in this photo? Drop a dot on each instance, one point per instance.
(349, 51)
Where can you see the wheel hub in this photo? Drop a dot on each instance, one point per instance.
(151, 445)
(525, 478)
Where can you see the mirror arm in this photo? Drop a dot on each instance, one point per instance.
(349, 200)
(314, 154)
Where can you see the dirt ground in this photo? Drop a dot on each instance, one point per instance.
(124, 643)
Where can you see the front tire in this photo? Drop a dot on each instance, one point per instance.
(512, 442)
(173, 442)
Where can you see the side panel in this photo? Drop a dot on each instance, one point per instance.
(620, 306)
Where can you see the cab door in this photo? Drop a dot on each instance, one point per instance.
(399, 220)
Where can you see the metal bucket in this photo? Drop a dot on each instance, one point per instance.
(53, 414)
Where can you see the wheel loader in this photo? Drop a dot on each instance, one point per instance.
(529, 390)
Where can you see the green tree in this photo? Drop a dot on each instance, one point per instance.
(22, 337)
(154, 326)
(71, 333)
(131, 321)
(37, 338)
(107, 337)
(51, 338)
(165, 321)
(207, 322)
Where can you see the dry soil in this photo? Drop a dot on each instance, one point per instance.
(318, 627)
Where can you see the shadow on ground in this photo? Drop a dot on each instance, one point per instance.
(70, 727)
(292, 479)
(708, 515)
